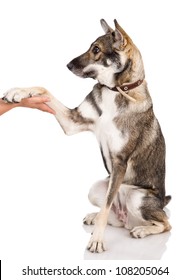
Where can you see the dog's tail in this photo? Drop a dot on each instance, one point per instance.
(167, 199)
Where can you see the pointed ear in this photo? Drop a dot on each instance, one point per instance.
(105, 26)
(121, 37)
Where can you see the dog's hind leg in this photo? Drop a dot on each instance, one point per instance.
(141, 218)
(158, 223)
(152, 218)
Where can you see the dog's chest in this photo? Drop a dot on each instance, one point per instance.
(109, 136)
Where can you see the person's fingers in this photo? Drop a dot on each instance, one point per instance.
(36, 99)
(37, 102)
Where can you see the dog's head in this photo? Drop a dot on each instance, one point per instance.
(109, 55)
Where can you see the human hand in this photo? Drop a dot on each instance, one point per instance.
(36, 102)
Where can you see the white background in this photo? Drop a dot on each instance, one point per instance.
(44, 175)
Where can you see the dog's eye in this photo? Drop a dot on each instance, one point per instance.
(96, 50)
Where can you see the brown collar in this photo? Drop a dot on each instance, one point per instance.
(126, 87)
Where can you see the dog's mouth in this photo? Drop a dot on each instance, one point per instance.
(89, 74)
(83, 72)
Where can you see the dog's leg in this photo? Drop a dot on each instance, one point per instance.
(155, 228)
(15, 95)
(158, 223)
(147, 214)
(96, 243)
(97, 195)
(71, 120)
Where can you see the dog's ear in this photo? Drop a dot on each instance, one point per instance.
(121, 37)
(105, 26)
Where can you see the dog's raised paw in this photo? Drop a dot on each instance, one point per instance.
(15, 95)
(90, 219)
(12, 96)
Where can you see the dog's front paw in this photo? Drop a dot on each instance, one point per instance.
(90, 219)
(96, 246)
(13, 95)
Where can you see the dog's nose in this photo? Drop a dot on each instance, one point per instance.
(70, 65)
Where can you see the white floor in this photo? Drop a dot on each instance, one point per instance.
(122, 247)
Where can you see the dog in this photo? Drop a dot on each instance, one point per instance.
(119, 112)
